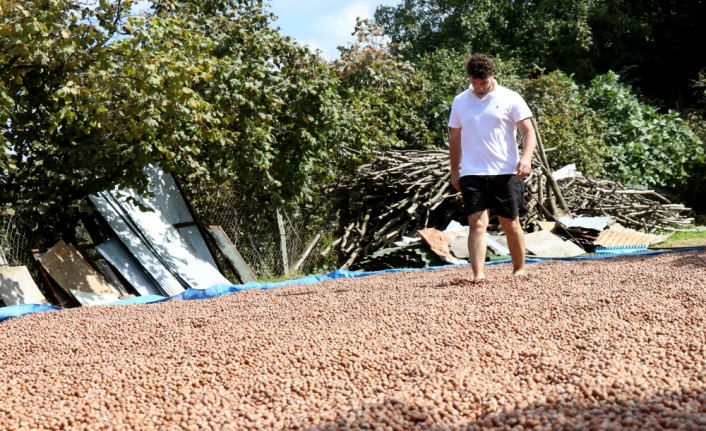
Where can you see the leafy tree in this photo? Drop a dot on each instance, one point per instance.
(651, 42)
(567, 124)
(552, 34)
(445, 73)
(382, 95)
(51, 150)
(648, 148)
(208, 89)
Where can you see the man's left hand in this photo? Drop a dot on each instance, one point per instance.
(523, 168)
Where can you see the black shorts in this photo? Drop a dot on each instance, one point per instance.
(504, 194)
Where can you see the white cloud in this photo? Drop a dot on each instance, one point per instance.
(341, 24)
(324, 24)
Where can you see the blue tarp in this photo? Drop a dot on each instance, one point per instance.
(21, 310)
(224, 289)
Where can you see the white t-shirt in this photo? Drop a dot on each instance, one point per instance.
(488, 128)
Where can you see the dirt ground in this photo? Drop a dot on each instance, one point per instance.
(613, 343)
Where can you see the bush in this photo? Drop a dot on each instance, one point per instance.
(647, 148)
(567, 125)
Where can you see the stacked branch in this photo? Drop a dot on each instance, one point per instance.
(400, 193)
(548, 191)
(644, 210)
(404, 191)
(397, 194)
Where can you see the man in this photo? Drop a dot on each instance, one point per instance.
(485, 163)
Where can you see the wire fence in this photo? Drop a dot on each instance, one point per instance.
(14, 241)
(258, 237)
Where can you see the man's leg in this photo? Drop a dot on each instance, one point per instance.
(515, 242)
(477, 226)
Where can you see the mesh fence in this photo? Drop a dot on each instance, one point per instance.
(257, 236)
(14, 241)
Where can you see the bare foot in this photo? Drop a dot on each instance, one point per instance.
(519, 273)
(479, 278)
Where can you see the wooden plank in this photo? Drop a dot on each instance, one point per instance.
(282, 242)
(71, 271)
(235, 260)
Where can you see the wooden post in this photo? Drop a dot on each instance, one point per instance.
(547, 171)
(282, 242)
(235, 260)
(306, 253)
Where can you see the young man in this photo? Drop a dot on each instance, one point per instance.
(485, 163)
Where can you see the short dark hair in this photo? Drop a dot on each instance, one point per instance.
(479, 66)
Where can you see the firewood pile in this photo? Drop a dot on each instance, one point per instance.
(394, 196)
(644, 210)
(404, 191)
(398, 194)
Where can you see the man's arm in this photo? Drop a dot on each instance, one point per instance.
(455, 157)
(529, 143)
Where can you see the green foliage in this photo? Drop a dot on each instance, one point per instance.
(382, 95)
(209, 90)
(445, 74)
(567, 124)
(51, 147)
(550, 33)
(647, 39)
(443, 70)
(648, 148)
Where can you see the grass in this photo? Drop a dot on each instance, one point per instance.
(695, 238)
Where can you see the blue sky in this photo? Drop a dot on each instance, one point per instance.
(323, 24)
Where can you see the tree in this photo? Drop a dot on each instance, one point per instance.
(567, 124)
(648, 148)
(651, 43)
(207, 89)
(382, 95)
(552, 34)
(50, 148)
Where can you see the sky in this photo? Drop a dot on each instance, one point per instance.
(323, 24)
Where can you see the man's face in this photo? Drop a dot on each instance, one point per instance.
(482, 86)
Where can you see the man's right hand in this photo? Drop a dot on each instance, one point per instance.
(456, 181)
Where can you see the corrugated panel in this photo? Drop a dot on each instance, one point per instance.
(618, 237)
(115, 253)
(165, 240)
(17, 287)
(104, 268)
(168, 200)
(167, 197)
(191, 235)
(88, 298)
(136, 243)
(176, 258)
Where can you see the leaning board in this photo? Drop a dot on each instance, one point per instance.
(71, 271)
(17, 287)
